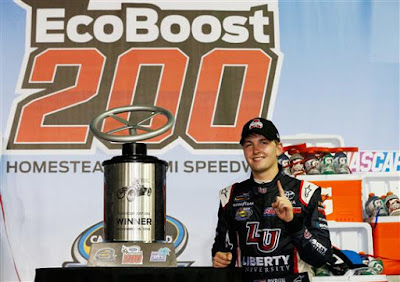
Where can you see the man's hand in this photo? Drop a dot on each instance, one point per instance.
(222, 259)
(283, 207)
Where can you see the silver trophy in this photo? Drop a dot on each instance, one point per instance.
(134, 194)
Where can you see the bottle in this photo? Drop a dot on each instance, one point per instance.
(340, 163)
(284, 161)
(374, 206)
(296, 163)
(327, 164)
(322, 271)
(311, 163)
(392, 204)
(375, 266)
(383, 210)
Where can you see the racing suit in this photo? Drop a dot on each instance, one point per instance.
(262, 243)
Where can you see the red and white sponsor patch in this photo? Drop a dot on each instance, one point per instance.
(256, 123)
(296, 210)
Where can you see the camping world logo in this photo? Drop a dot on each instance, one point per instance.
(176, 233)
(213, 68)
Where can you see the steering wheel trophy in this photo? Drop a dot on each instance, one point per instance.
(134, 194)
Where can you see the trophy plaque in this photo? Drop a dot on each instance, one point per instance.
(134, 194)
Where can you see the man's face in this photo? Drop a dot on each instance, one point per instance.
(261, 154)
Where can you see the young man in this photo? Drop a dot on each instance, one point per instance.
(271, 224)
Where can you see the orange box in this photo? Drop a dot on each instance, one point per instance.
(386, 237)
(341, 195)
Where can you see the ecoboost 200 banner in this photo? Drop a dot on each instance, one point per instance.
(212, 69)
(213, 65)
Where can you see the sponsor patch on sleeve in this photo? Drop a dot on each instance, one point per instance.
(296, 210)
(225, 195)
(306, 191)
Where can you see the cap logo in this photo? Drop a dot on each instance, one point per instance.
(256, 123)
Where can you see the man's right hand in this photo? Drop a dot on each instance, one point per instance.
(222, 259)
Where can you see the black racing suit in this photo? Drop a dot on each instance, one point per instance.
(262, 243)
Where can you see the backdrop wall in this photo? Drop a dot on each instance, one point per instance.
(317, 69)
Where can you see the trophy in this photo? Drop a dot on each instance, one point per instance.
(134, 194)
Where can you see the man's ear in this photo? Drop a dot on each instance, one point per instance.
(279, 148)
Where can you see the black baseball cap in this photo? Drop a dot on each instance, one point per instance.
(261, 126)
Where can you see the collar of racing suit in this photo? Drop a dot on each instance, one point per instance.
(270, 186)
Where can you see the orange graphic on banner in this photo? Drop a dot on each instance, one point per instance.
(32, 127)
(257, 65)
(173, 63)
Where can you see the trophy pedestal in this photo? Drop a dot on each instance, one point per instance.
(132, 254)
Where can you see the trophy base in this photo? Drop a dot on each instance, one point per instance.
(132, 254)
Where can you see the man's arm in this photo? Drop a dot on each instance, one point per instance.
(224, 247)
(310, 234)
